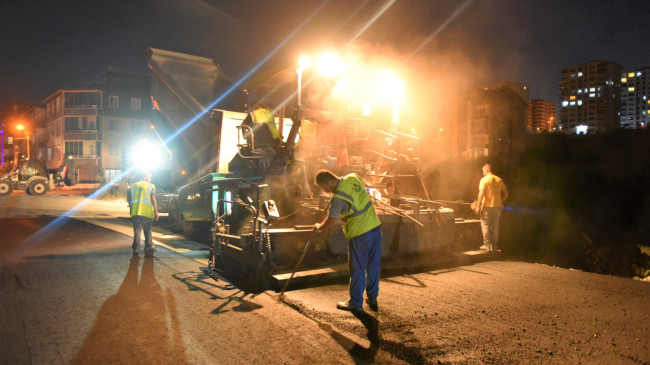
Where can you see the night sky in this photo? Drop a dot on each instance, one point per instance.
(46, 45)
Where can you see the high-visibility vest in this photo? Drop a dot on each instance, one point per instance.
(361, 217)
(141, 203)
(265, 116)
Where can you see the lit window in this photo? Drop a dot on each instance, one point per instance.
(573, 76)
(580, 91)
(586, 90)
(579, 74)
(113, 101)
(579, 102)
(572, 97)
(592, 95)
(631, 74)
(638, 73)
(572, 103)
(592, 89)
(136, 104)
(565, 103)
(630, 89)
(581, 129)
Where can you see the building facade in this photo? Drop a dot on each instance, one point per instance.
(95, 126)
(635, 99)
(520, 89)
(489, 122)
(25, 133)
(590, 97)
(541, 116)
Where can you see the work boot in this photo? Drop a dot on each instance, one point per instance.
(485, 248)
(347, 307)
(136, 252)
(372, 302)
(148, 251)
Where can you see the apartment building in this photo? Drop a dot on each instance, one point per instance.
(96, 125)
(489, 122)
(541, 116)
(520, 89)
(635, 99)
(589, 97)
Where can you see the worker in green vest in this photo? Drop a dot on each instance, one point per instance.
(361, 226)
(144, 211)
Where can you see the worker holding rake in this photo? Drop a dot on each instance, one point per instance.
(361, 226)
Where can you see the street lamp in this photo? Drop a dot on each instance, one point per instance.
(303, 63)
(21, 127)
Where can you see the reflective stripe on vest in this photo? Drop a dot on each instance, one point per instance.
(355, 211)
(361, 217)
(141, 203)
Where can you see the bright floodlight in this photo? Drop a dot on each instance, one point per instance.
(20, 127)
(146, 155)
(329, 64)
(390, 84)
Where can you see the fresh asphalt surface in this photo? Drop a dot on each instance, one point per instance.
(72, 292)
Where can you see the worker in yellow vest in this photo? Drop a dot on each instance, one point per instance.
(144, 211)
(262, 122)
(361, 227)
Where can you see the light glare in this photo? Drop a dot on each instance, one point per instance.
(146, 155)
(329, 65)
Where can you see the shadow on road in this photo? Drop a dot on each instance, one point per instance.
(139, 324)
(372, 325)
(417, 283)
(196, 281)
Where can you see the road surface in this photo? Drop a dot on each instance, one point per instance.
(74, 294)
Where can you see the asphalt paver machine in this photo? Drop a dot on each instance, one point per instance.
(258, 203)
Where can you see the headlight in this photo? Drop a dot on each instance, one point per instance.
(147, 155)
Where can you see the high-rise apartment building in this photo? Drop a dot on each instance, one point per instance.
(635, 98)
(589, 97)
(541, 116)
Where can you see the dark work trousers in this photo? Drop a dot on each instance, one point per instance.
(141, 223)
(364, 256)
